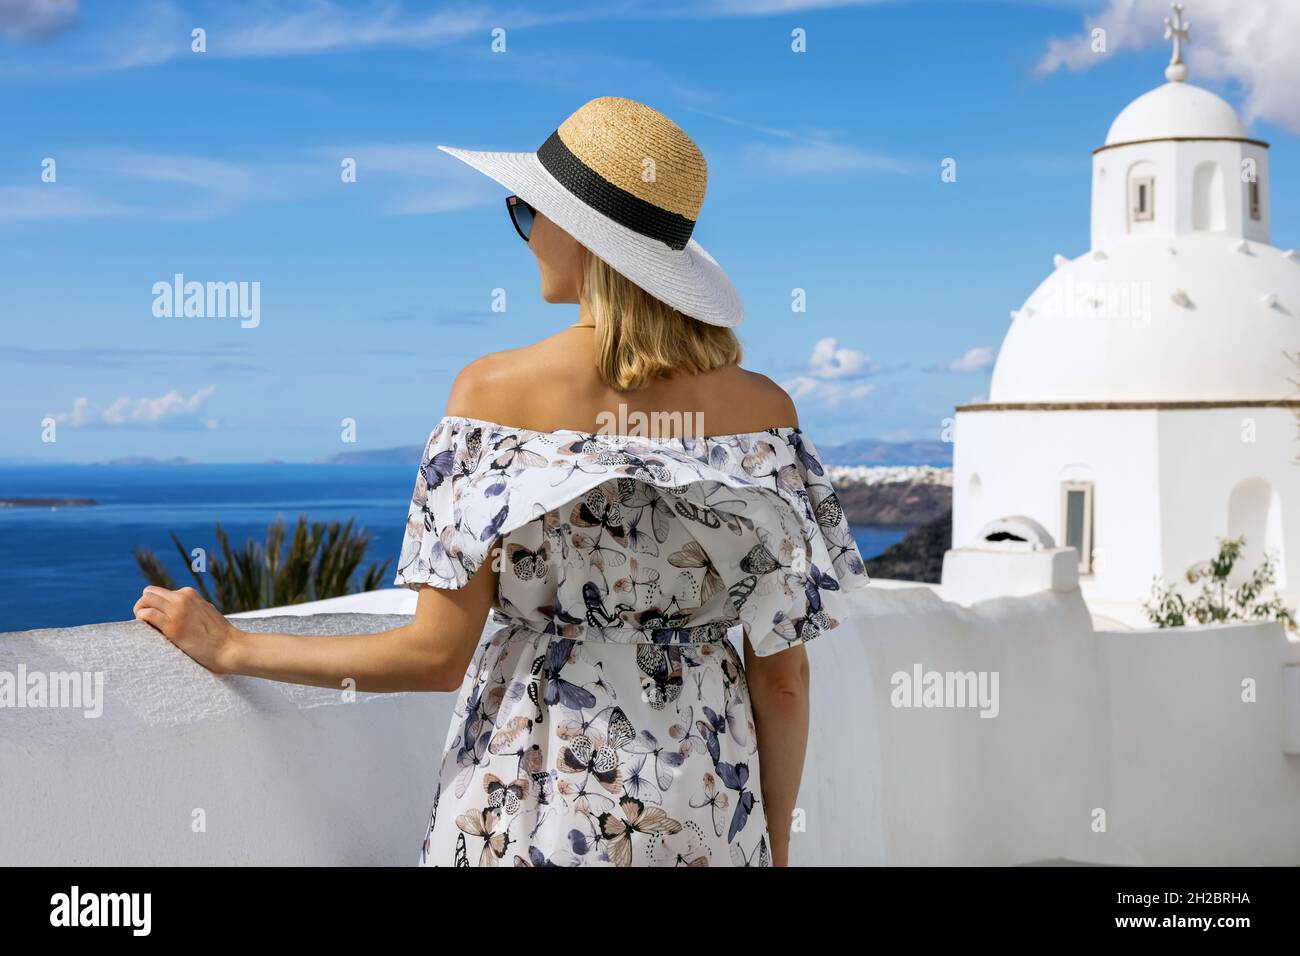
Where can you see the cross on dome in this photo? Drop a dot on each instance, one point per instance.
(1179, 31)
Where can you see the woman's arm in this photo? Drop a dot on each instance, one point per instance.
(431, 653)
(778, 691)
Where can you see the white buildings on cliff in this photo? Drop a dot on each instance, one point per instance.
(1142, 404)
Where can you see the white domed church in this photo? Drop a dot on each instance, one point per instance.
(1142, 404)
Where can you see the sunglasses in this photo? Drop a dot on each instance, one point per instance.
(522, 215)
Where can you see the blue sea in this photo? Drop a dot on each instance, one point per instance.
(68, 566)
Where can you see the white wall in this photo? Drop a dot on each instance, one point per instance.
(1162, 482)
(1203, 455)
(1146, 732)
(887, 785)
(1148, 727)
(287, 775)
(1021, 458)
(1200, 775)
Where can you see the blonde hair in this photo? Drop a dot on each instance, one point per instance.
(639, 338)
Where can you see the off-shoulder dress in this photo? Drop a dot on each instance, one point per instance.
(607, 719)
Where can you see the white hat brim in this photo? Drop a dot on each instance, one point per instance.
(687, 279)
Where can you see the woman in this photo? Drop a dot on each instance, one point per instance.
(610, 718)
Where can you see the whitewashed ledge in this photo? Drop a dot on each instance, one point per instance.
(284, 774)
(1148, 727)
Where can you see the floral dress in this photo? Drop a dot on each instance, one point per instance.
(607, 721)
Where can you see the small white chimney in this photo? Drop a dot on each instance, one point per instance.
(1013, 555)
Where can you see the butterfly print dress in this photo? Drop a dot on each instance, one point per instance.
(607, 720)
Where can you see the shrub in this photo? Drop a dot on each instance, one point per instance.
(1217, 601)
(320, 563)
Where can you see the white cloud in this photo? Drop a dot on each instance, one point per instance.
(49, 202)
(833, 374)
(744, 124)
(179, 170)
(418, 178)
(973, 360)
(807, 151)
(402, 159)
(830, 361)
(172, 410)
(823, 157)
(324, 27)
(1253, 44)
(832, 393)
(155, 32)
(129, 184)
(400, 179)
(150, 34)
(445, 198)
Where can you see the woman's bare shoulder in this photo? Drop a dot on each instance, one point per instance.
(759, 399)
(553, 383)
(513, 385)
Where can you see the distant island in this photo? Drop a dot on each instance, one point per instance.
(146, 460)
(872, 452)
(403, 455)
(46, 502)
(863, 452)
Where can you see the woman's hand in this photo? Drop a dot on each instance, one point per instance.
(191, 623)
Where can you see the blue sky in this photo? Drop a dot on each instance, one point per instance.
(824, 175)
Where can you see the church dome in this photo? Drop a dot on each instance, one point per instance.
(1200, 317)
(1181, 298)
(1175, 111)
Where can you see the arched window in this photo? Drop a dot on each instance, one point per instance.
(1255, 513)
(1208, 213)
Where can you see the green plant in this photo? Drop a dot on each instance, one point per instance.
(1217, 601)
(320, 563)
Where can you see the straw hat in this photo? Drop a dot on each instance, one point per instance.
(627, 183)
